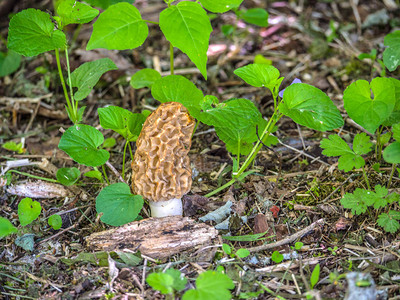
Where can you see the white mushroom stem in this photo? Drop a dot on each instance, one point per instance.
(167, 208)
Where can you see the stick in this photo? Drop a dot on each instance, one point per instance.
(289, 239)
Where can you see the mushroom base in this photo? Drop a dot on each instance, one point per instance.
(167, 208)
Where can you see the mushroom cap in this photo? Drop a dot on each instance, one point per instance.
(161, 165)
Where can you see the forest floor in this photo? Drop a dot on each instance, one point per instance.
(294, 185)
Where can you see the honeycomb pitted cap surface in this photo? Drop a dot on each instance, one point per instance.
(161, 165)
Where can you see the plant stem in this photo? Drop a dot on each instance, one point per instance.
(74, 106)
(105, 174)
(151, 22)
(123, 160)
(195, 128)
(130, 150)
(33, 176)
(69, 107)
(366, 178)
(171, 57)
(222, 187)
(391, 175)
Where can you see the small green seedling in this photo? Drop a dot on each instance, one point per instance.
(240, 253)
(333, 251)
(315, 276)
(55, 221)
(168, 282)
(298, 245)
(28, 211)
(277, 257)
(13, 146)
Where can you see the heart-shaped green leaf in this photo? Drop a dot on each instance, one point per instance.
(68, 176)
(6, 228)
(88, 74)
(144, 78)
(391, 55)
(256, 16)
(178, 89)
(55, 221)
(119, 27)
(261, 75)
(310, 107)
(187, 26)
(9, 62)
(74, 12)
(118, 205)
(28, 211)
(220, 6)
(81, 143)
(32, 32)
(366, 111)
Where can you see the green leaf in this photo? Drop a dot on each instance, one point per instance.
(227, 249)
(366, 111)
(88, 74)
(74, 12)
(245, 238)
(310, 107)
(391, 55)
(28, 211)
(118, 205)
(391, 154)
(161, 282)
(144, 78)
(396, 131)
(26, 241)
(385, 138)
(298, 245)
(9, 62)
(119, 27)
(389, 221)
(32, 32)
(220, 6)
(395, 115)
(178, 89)
(121, 121)
(380, 199)
(55, 221)
(104, 4)
(81, 143)
(94, 174)
(359, 201)
(187, 26)
(211, 285)
(256, 16)
(276, 257)
(315, 276)
(6, 228)
(242, 253)
(180, 281)
(349, 159)
(13, 146)
(261, 75)
(109, 143)
(227, 29)
(68, 176)
(129, 258)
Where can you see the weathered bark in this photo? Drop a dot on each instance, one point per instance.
(155, 237)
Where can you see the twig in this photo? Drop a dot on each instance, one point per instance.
(289, 239)
(116, 173)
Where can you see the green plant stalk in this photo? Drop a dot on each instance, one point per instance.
(366, 178)
(105, 174)
(69, 107)
(130, 150)
(171, 57)
(123, 160)
(74, 105)
(391, 175)
(221, 188)
(378, 145)
(33, 176)
(152, 22)
(270, 291)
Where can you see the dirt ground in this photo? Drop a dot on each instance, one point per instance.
(294, 185)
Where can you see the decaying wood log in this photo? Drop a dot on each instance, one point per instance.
(155, 237)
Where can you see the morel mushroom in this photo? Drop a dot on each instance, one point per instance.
(161, 166)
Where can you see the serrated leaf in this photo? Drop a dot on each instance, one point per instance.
(9, 62)
(32, 32)
(310, 107)
(220, 6)
(68, 176)
(334, 145)
(211, 285)
(389, 221)
(28, 211)
(81, 143)
(362, 144)
(369, 112)
(358, 201)
(261, 75)
(6, 228)
(179, 282)
(178, 89)
(391, 55)
(161, 282)
(55, 221)
(380, 199)
(144, 78)
(88, 74)
(187, 26)
(119, 27)
(118, 205)
(256, 16)
(74, 12)
(391, 154)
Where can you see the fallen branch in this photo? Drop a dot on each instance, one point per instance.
(289, 239)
